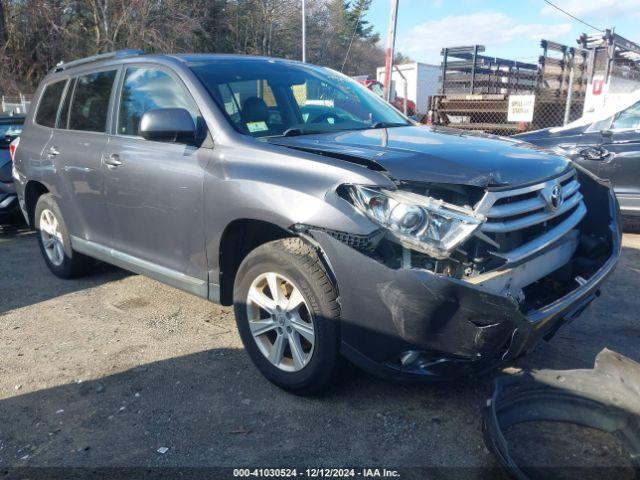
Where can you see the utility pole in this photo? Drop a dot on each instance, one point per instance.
(304, 32)
(391, 46)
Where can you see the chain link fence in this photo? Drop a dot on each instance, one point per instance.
(473, 91)
(505, 97)
(15, 105)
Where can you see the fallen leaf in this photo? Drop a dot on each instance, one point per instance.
(241, 430)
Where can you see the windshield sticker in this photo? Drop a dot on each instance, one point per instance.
(257, 127)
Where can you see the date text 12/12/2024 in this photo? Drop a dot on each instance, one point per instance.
(315, 473)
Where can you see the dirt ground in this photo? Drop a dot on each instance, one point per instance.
(106, 370)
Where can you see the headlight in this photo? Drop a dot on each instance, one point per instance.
(421, 223)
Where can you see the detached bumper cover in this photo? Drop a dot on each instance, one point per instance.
(455, 327)
(606, 398)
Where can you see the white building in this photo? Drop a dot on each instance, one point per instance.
(422, 82)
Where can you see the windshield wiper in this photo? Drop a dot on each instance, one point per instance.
(296, 132)
(388, 125)
(292, 132)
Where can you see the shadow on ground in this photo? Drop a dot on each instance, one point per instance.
(22, 267)
(212, 408)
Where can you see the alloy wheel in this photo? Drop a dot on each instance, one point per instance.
(51, 237)
(280, 322)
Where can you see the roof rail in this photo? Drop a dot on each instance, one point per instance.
(95, 58)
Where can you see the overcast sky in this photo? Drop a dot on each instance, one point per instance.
(508, 28)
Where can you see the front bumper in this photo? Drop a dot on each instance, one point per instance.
(448, 327)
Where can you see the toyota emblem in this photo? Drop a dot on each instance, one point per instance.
(557, 198)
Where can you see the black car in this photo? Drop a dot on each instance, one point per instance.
(10, 128)
(607, 145)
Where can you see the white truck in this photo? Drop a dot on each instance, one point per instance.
(421, 80)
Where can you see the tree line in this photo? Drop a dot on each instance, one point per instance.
(37, 34)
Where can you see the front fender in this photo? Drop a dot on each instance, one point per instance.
(278, 186)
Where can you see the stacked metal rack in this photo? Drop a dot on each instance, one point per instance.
(465, 70)
(15, 105)
(562, 83)
(612, 56)
(475, 88)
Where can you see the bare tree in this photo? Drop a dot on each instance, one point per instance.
(3, 30)
(37, 34)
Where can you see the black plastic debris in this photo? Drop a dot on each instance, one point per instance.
(606, 398)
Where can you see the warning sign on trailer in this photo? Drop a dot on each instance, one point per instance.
(521, 108)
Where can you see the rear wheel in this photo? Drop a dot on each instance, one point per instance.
(288, 316)
(55, 242)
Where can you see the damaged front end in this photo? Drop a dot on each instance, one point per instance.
(457, 279)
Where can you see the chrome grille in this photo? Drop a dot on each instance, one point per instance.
(551, 209)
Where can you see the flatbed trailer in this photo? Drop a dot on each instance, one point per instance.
(475, 89)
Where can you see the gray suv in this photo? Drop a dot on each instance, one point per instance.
(336, 227)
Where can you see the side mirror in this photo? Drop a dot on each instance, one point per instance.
(168, 125)
(606, 133)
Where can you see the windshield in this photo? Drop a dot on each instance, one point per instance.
(601, 118)
(9, 131)
(266, 98)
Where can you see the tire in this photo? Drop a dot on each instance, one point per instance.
(296, 266)
(55, 245)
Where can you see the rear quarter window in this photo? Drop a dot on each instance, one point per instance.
(49, 103)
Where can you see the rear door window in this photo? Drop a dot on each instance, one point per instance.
(90, 104)
(147, 89)
(49, 103)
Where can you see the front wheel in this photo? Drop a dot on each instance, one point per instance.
(288, 316)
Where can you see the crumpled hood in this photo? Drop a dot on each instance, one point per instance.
(434, 154)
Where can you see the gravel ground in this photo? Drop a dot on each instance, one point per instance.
(106, 370)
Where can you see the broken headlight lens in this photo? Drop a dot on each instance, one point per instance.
(424, 224)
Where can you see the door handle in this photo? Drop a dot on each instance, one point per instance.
(52, 152)
(112, 161)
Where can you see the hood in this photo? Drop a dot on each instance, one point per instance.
(552, 137)
(435, 154)
(549, 133)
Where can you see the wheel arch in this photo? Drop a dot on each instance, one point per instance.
(242, 236)
(33, 190)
